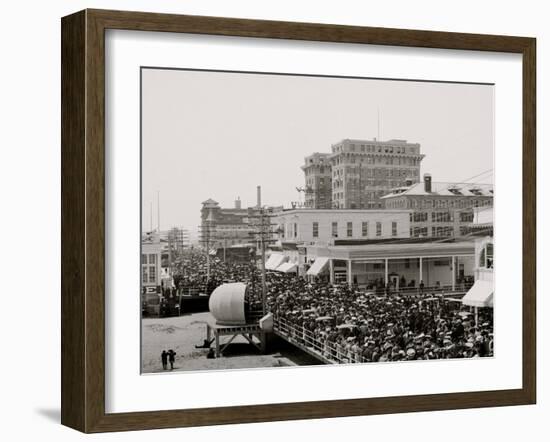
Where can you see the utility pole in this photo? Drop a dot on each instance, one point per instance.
(263, 239)
(252, 252)
(263, 236)
(170, 242)
(207, 258)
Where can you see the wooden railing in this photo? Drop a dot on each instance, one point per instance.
(436, 290)
(192, 291)
(325, 350)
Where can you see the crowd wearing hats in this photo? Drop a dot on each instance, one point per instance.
(191, 271)
(348, 325)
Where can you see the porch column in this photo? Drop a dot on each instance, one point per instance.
(453, 273)
(419, 270)
(350, 278)
(331, 270)
(386, 271)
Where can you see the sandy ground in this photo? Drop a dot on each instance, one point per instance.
(182, 334)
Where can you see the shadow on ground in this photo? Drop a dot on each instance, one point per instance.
(277, 347)
(51, 414)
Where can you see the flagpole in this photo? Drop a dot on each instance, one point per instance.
(158, 211)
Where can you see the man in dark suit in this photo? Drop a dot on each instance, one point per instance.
(171, 358)
(164, 359)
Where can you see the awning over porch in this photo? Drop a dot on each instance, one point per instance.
(480, 295)
(287, 267)
(274, 261)
(318, 266)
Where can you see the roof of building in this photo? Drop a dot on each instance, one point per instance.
(443, 189)
(395, 250)
(396, 240)
(375, 141)
(150, 237)
(338, 211)
(318, 154)
(209, 201)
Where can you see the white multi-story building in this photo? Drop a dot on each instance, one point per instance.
(369, 248)
(151, 250)
(300, 229)
(319, 226)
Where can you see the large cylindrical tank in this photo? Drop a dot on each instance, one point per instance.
(227, 304)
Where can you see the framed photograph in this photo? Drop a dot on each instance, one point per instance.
(266, 221)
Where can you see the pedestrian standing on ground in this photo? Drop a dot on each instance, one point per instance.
(171, 358)
(164, 359)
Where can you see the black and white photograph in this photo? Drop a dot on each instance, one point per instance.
(296, 220)
(270, 221)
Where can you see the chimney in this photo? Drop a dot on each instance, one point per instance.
(238, 203)
(427, 183)
(408, 182)
(259, 196)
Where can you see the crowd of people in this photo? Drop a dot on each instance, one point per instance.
(193, 271)
(348, 324)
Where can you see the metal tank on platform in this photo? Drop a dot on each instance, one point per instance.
(228, 305)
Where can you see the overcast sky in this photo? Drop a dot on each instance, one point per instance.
(219, 135)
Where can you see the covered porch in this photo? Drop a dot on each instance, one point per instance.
(397, 267)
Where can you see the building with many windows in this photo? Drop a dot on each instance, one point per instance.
(306, 226)
(440, 209)
(223, 227)
(370, 248)
(360, 172)
(300, 229)
(363, 171)
(226, 227)
(318, 176)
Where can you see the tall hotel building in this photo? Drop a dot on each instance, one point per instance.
(318, 175)
(359, 173)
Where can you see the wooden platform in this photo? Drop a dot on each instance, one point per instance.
(248, 331)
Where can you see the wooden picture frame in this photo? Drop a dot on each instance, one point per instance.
(83, 219)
